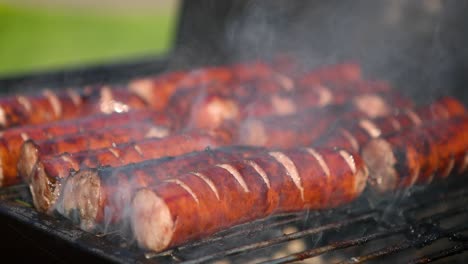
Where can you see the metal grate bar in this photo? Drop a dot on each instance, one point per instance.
(420, 241)
(260, 227)
(335, 246)
(277, 240)
(457, 249)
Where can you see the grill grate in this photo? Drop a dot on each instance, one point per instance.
(416, 226)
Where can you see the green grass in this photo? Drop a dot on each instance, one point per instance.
(38, 39)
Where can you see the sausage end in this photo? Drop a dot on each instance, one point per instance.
(151, 220)
(380, 159)
(80, 198)
(43, 191)
(29, 155)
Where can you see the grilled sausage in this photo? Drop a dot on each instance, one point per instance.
(113, 186)
(293, 130)
(31, 151)
(158, 90)
(417, 155)
(194, 205)
(335, 73)
(12, 139)
(49, 171)
(211, 109)
(50, 106)
(352, 135)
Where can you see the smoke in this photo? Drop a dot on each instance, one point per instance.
(415, 44)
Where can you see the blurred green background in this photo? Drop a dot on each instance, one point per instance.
(47, 34)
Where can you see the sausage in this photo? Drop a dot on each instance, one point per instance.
(12, 139)
(158, 90)
(189, 206)
(23, 109)
(418, 155)
(109, 200)
(300, 129)
(336, 73)
(51, 105)
(49, 171)
(210, 110)
(352, 135)
(31, 151)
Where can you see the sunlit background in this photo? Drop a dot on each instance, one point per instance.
(37, 35)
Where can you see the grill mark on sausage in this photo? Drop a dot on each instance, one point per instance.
(69, 161)
(74, 96)
(464, 165)
(114, 152)
(349, 160)
(24, 101)
(107, 100)
(138, 150)
(285, 81)
(3, 119)
(282, 105)
(291, 170)
(236, 174)
(325, 96)
(350, 138)
(157, 132)
(260, 171)
(370, 128)
(395, 123)
(320, 160)
(413, 116)
(208, 182)
(450, 166)
(185, 187)
(54, 102)
(24, 136)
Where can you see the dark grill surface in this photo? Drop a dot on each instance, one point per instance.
(417, 226)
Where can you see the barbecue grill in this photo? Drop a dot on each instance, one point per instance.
(420, 225)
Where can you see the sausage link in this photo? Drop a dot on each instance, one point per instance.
(210, 110)
(12, 139)
(115, 184)
(31, 151)
(158, 90)
(352, 135)
(293, 130)
(185, 207)
(50, 105)
(417, 155)
(49, 171)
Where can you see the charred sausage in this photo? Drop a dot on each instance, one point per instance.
(31, 150)
(50, 105)
(198, 204)
(417, 155)
(352, 135)
(114, 186)
(12, 139)
(49, 171)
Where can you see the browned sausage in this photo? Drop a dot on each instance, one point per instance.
(336, 73)
(417, 155)
(50, 106)
(300, 129)
(49, 171)
(194, 205)
(210, 110)
(31, 151)
(352, 135)
(107, 202)
(158, 90)
(12, 138)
